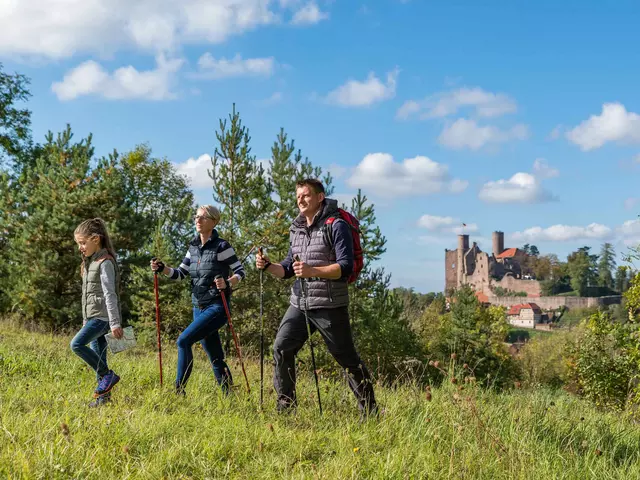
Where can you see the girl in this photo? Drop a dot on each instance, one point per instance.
(208, 255)
(100, 304)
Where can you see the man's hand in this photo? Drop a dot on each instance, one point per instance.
(262, 261)
(302, 270)
(117, 332)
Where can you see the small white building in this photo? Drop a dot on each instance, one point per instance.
(525, 315)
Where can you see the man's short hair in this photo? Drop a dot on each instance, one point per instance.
(314, 183)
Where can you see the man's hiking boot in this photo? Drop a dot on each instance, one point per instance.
(106, 383)
(373, 413)
(101, 400)
(286, 406)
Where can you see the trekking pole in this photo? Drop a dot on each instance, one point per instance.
(261, 333)
(155, 285)
(233, 333)
(306, 318)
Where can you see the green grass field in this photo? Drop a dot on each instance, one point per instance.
(47, 431)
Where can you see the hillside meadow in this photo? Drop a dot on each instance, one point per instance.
(47, 430)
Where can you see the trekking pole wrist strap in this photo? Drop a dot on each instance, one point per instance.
(266, 265)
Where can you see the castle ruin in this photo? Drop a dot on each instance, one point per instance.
(503, 268)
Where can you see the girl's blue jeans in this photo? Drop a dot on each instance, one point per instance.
(93, 333)
(204, 328)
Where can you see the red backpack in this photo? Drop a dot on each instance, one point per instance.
(358, 257)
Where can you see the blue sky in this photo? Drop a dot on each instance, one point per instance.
(513, 116)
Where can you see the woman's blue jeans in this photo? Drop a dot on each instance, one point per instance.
(93, 333)
(204, 328)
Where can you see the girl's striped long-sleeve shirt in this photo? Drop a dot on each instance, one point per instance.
(226, 255)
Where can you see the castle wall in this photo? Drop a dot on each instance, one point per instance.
(531, 287)
(550, 303)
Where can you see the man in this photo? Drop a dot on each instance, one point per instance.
(325, 265)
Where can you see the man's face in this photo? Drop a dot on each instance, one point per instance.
(308, 200)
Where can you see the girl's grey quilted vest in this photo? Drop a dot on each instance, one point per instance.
(93, 302)
(310, 244)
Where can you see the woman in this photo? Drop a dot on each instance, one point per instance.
(208, 256)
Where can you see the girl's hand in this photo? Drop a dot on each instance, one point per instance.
(117, 332)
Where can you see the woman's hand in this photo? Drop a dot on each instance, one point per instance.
(157, 265)
(221, 283)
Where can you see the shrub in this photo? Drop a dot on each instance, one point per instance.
(604, 360)
(543, 360)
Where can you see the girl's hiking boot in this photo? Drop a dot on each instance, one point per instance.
(106, 383)
(101, 400)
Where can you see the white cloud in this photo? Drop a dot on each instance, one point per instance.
(90, 78)
(57, 29)
(414, 176)
(212, 68)
(563, 233)
(435, 223)
(543, 170)
(522, 187)
(629, 232)
(355, 93)
(614, 124)
(464, 133)
(444, 104)
(309, 14)
(196, 170)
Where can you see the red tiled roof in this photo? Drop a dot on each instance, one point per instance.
(508, 253)
(515, 309)
(482, 298)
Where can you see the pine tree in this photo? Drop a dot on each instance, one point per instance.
(621, 279)
(606, 265)
(243, 194)
(61, 190)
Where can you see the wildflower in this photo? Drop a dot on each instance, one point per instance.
(465, 366)
(355, 449)
(454, 356)
(65, 429)
(428, 396)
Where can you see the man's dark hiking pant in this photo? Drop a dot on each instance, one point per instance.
(333, 325)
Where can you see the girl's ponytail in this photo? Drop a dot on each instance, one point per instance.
(106, 240)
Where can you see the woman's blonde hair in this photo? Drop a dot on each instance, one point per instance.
(96, 226)
(212, 212)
